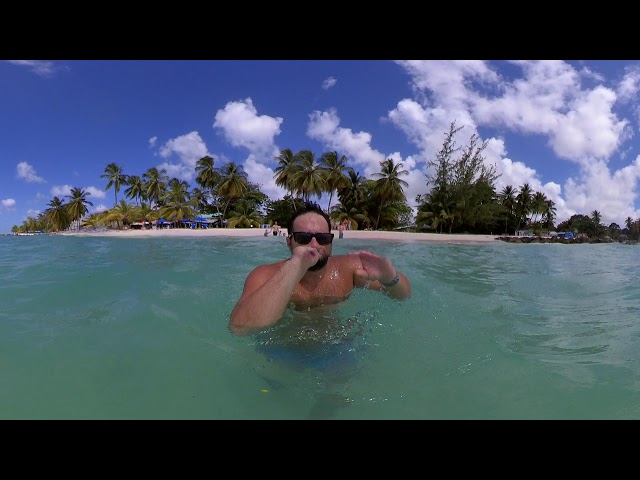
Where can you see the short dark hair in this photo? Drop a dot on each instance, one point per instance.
(308, 207)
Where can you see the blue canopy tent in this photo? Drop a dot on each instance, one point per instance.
(187, 223)
(200, 222)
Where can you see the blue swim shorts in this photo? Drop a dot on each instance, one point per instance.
(328, 358)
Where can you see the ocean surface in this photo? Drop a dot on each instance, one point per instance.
(136, 328)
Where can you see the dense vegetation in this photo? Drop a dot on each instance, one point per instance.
(462, 197)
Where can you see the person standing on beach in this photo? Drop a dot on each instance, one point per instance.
(311, 277)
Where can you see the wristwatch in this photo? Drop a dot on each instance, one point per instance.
(393, 282)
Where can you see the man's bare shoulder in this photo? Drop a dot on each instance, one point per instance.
(261, 274)
(267, 268)
(350, 262)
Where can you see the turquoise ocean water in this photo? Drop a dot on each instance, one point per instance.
(136, 328)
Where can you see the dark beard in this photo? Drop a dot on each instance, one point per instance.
(319, 264)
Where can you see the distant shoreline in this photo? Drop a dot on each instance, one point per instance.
(250, 232)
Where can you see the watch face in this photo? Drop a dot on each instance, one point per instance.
(393, 282)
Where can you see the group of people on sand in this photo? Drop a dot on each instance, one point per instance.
(275, 230)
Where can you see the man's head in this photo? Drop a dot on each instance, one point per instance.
(311, 226)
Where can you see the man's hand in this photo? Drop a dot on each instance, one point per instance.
(374, 267)
(306, 256)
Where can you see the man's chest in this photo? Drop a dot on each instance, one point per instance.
(326, 292)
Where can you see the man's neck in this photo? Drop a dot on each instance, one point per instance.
(313, 278)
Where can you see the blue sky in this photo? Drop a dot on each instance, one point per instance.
(568, 128)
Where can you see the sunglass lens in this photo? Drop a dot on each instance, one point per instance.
(323, 238)
(302, 238)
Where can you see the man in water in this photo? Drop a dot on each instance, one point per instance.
(311, 277)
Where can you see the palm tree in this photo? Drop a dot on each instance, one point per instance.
(123, 212)
(155, 184)
(523, 204)
(538, 206)
(233, 184)
(436, 210)
(113, 173)
(200, 198)
(136, 188)
(309, 178)
(244, 215)
(177, 202)
(145, 214)
(207, 176)
(57, 215)
(77, 206)
(596, 217)
(354, 193)
(389, 186)
(355, 218)
(628, 222)
(335, 176)
(95, 220)
(285, 171)
(549, 214)
(30, 224)
(507, 198)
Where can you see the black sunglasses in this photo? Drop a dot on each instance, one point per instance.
(303, 238)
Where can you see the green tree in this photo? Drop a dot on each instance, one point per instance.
(353, 195)
(123, 212)
(309, 178)
(208, 177)
(598, 229)
(507, 201)
(538, 206)
(200, 198)
(95, 220)
(389, 186)
(439, 204)
(113, 173)
(144, 213)
(233, 184)
(136, 189)
(57, 215)
(177, 203)
(285, 171)
(577, 224)
(473, 189)
(281, 211)
(244, 215)
(614, 231)
(335, 176)
(523, 205)
(78, 204)
(549, 215)
(155, 185)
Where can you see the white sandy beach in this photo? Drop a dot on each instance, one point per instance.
(250, 232)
